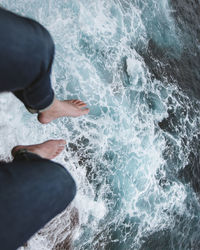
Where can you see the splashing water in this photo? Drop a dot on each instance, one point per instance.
(126, 155)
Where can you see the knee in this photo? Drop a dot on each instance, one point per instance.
(45, 45)
(64, 185)
(48, 46)
(68, 185)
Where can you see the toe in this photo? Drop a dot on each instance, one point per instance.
(78, 102)
(62, 142)
(74, 101)
(85, 111)
(60, 149)
(81, 105)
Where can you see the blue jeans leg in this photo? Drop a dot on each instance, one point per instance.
(32, 191)
(26, 53)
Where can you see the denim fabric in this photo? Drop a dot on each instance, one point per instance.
(26, 56)
(32, 191)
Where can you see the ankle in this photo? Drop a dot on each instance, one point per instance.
(54, 106)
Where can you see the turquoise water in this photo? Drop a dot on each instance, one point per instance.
(129, 153)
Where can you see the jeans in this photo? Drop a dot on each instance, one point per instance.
(26, 56)
(32, 190)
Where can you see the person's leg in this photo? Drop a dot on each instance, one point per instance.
(32, 191)
(26, 52)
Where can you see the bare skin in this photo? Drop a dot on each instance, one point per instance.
(48, 149)
(59, 108)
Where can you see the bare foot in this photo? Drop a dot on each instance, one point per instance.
(48, 149)
(59, 108)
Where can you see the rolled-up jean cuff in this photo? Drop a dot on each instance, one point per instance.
(34, 111)
(24, 154)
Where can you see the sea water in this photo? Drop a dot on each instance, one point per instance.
(135, 156)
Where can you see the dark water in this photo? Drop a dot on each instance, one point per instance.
(184, 70)
(180, 67)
